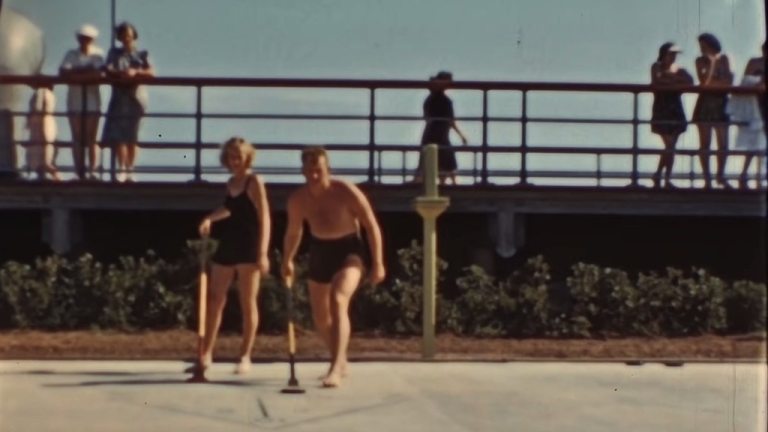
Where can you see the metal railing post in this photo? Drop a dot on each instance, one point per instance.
(371, 135)
(199, 134)
(81, 152)
(524, 140)
(635, 124)
(484, 154)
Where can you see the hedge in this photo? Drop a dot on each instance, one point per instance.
(147, 292)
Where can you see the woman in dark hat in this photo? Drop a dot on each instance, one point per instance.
(668, 119)
(438, 113)
(713, 69)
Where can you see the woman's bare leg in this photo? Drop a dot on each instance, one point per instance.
(221, 279)
(248, 278)
(75, 125)
(705, 137)
(721, 135)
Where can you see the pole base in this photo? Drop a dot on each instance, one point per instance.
(198, 375)
(293, 390)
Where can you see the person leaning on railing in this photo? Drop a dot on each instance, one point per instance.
(84, 104)
(128, 102)
(749, 111)
(668, 119)
(713, 70)
(40, 152)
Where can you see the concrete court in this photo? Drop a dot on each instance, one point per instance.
(397, 396)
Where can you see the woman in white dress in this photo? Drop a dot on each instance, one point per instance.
(750, 111)
(84, 104)
(42, 132)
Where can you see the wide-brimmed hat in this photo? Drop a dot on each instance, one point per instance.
(88, 30)
(442, 76)
(674, 48)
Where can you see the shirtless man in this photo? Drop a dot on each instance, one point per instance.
(335, 210)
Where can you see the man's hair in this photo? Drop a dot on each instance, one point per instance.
(240, 144)
(313, 154)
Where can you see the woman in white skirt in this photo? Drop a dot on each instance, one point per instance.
(749, 111)
(84, 104)
(42, 132)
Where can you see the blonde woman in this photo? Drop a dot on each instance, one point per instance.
(243, 232)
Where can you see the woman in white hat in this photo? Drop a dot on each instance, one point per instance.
(84, 103)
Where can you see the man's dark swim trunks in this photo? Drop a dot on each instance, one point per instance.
(328, 256)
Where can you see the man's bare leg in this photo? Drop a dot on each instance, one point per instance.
(320, 300)
(344, 285)
(248, 278)
(221, 278)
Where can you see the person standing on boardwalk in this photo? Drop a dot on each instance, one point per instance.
(438, 113)
(668, 119)
(335, 210)
(128, 102)
(749, 111)
(243, 234)
(84, 104)
(41, 124)
(713, 70)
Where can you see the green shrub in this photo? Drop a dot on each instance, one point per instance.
(482, 307)
(398, 308)
(678, 305)
(528, 287)
(604, 299)
(273, 298)
(745, 306)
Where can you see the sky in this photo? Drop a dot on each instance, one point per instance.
(598, 41)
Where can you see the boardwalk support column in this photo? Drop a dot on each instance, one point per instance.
(430, 206)
(61, 228)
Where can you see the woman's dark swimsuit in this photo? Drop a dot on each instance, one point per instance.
(238, 235)
(328, 256)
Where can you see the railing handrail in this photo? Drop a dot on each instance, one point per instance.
(376, 149)
(378, 84)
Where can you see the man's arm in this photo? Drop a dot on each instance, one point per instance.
(364, 213)
(292, 236)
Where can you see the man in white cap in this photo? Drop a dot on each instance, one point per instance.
(84, 104)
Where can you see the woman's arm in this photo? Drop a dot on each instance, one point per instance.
(704, 70)
(725, 75)
(92, 70)
(455, 127)
(661, 77)
(205, 226)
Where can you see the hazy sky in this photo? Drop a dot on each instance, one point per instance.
(522, 40)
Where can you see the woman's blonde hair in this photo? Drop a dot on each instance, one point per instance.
(244, 147)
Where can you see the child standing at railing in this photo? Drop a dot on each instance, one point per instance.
(40, 152)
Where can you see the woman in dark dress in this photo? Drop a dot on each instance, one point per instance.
(243, 231)
(668, 119)
(128, 101)
(438, 113)
(713, 70)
